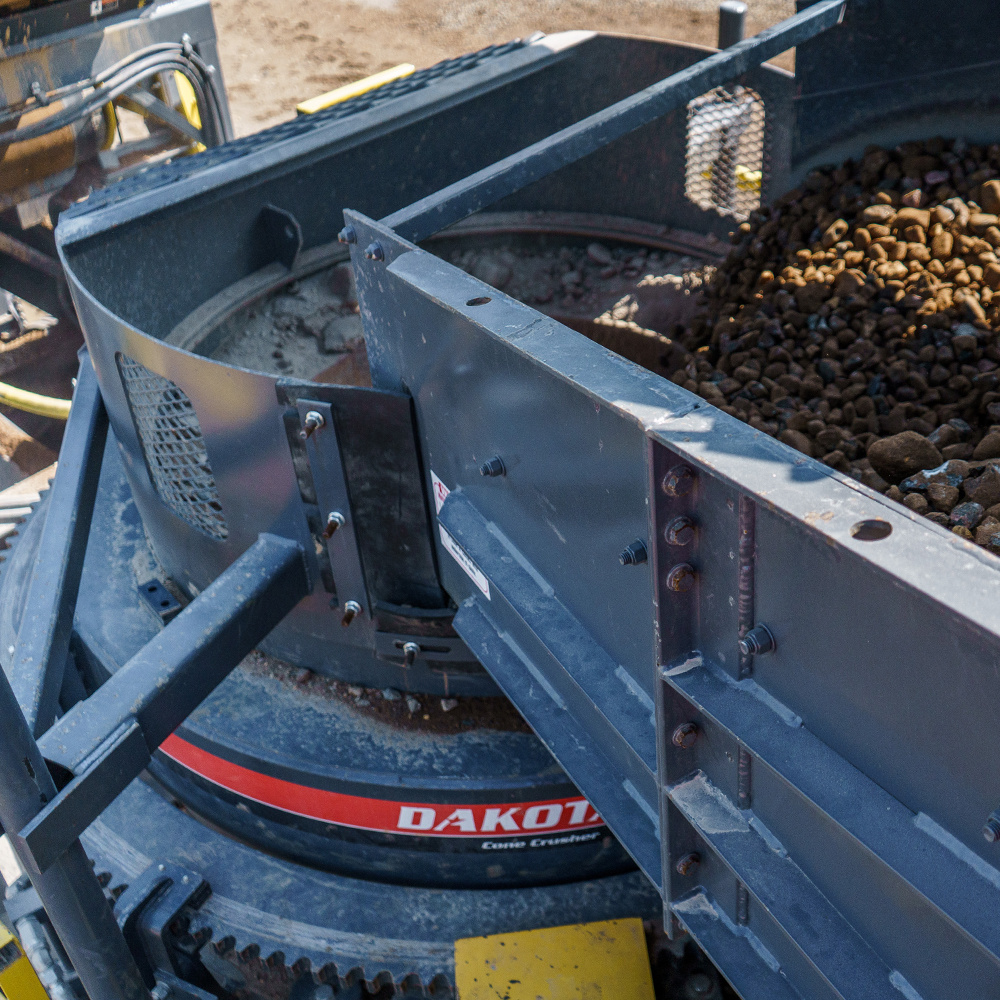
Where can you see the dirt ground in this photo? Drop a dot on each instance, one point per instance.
(276, 53)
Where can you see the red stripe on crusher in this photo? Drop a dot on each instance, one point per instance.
(422, 819)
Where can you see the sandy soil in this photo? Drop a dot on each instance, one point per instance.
(276, 53)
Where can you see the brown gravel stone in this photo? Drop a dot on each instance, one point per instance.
(916, 502)
(989, 447)
(896, 457)
(797, 440)
(988, 527)
(989, 197)
(986, 490)
(942, 497)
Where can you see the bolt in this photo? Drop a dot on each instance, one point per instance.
(351, 610)
(314, 420)
(410, 652)
(681, 578)
(991, 831)
(685, 735)
(374, 251)
(679, 481)
(493, 467)
(688, 864)
(347, 235)
(634, 554)
(334, 520)
(160, 991)
(680, 531)
(757, 641)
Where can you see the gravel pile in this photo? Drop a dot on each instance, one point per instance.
(857, 321)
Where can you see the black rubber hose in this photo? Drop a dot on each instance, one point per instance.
(196, 72)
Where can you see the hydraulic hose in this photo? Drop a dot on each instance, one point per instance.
(117, 79)
(33, 402)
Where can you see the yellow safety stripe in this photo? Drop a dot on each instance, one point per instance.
(350, 90)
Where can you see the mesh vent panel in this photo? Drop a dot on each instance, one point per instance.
(725, 151)
(173, 447)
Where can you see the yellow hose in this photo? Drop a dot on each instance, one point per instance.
(32, 402)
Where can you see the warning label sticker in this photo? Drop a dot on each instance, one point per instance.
(440, 492)
(472, 571)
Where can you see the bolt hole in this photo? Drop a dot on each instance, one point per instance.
(479, 300)
(164, 604)
(873, 530)
(151, 588)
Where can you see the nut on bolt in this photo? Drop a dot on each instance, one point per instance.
(685, 735)
(374, 251)
(991, 829)
(681, 578)
(757, 641)
(679, 481)
(313, 421)
(634, 554)
(347, 235)
(351, 610)
(334, 520)
(493, 467)
(680, 531)
(688, 865)
(411, 651)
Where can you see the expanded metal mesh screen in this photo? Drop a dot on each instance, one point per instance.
(173, 447)
(725, 151)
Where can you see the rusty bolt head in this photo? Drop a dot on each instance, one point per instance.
(680, 531)
(374, 251)
(688, 865)
(681, 578)
(334, 520)
(351, 610)
(313, 421)
(679, 481)
(685, 735)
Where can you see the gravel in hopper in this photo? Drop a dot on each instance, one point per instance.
(857, 321)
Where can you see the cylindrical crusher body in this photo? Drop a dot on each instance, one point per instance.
(212, 454)
(204, 456)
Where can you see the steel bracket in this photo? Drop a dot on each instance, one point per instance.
(154, 913)
(332, 498)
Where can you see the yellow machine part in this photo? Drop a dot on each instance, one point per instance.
(17, 978)
(189, 106)
(606, 960)
(355, 89)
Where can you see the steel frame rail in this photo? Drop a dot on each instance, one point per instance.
(104, 742)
